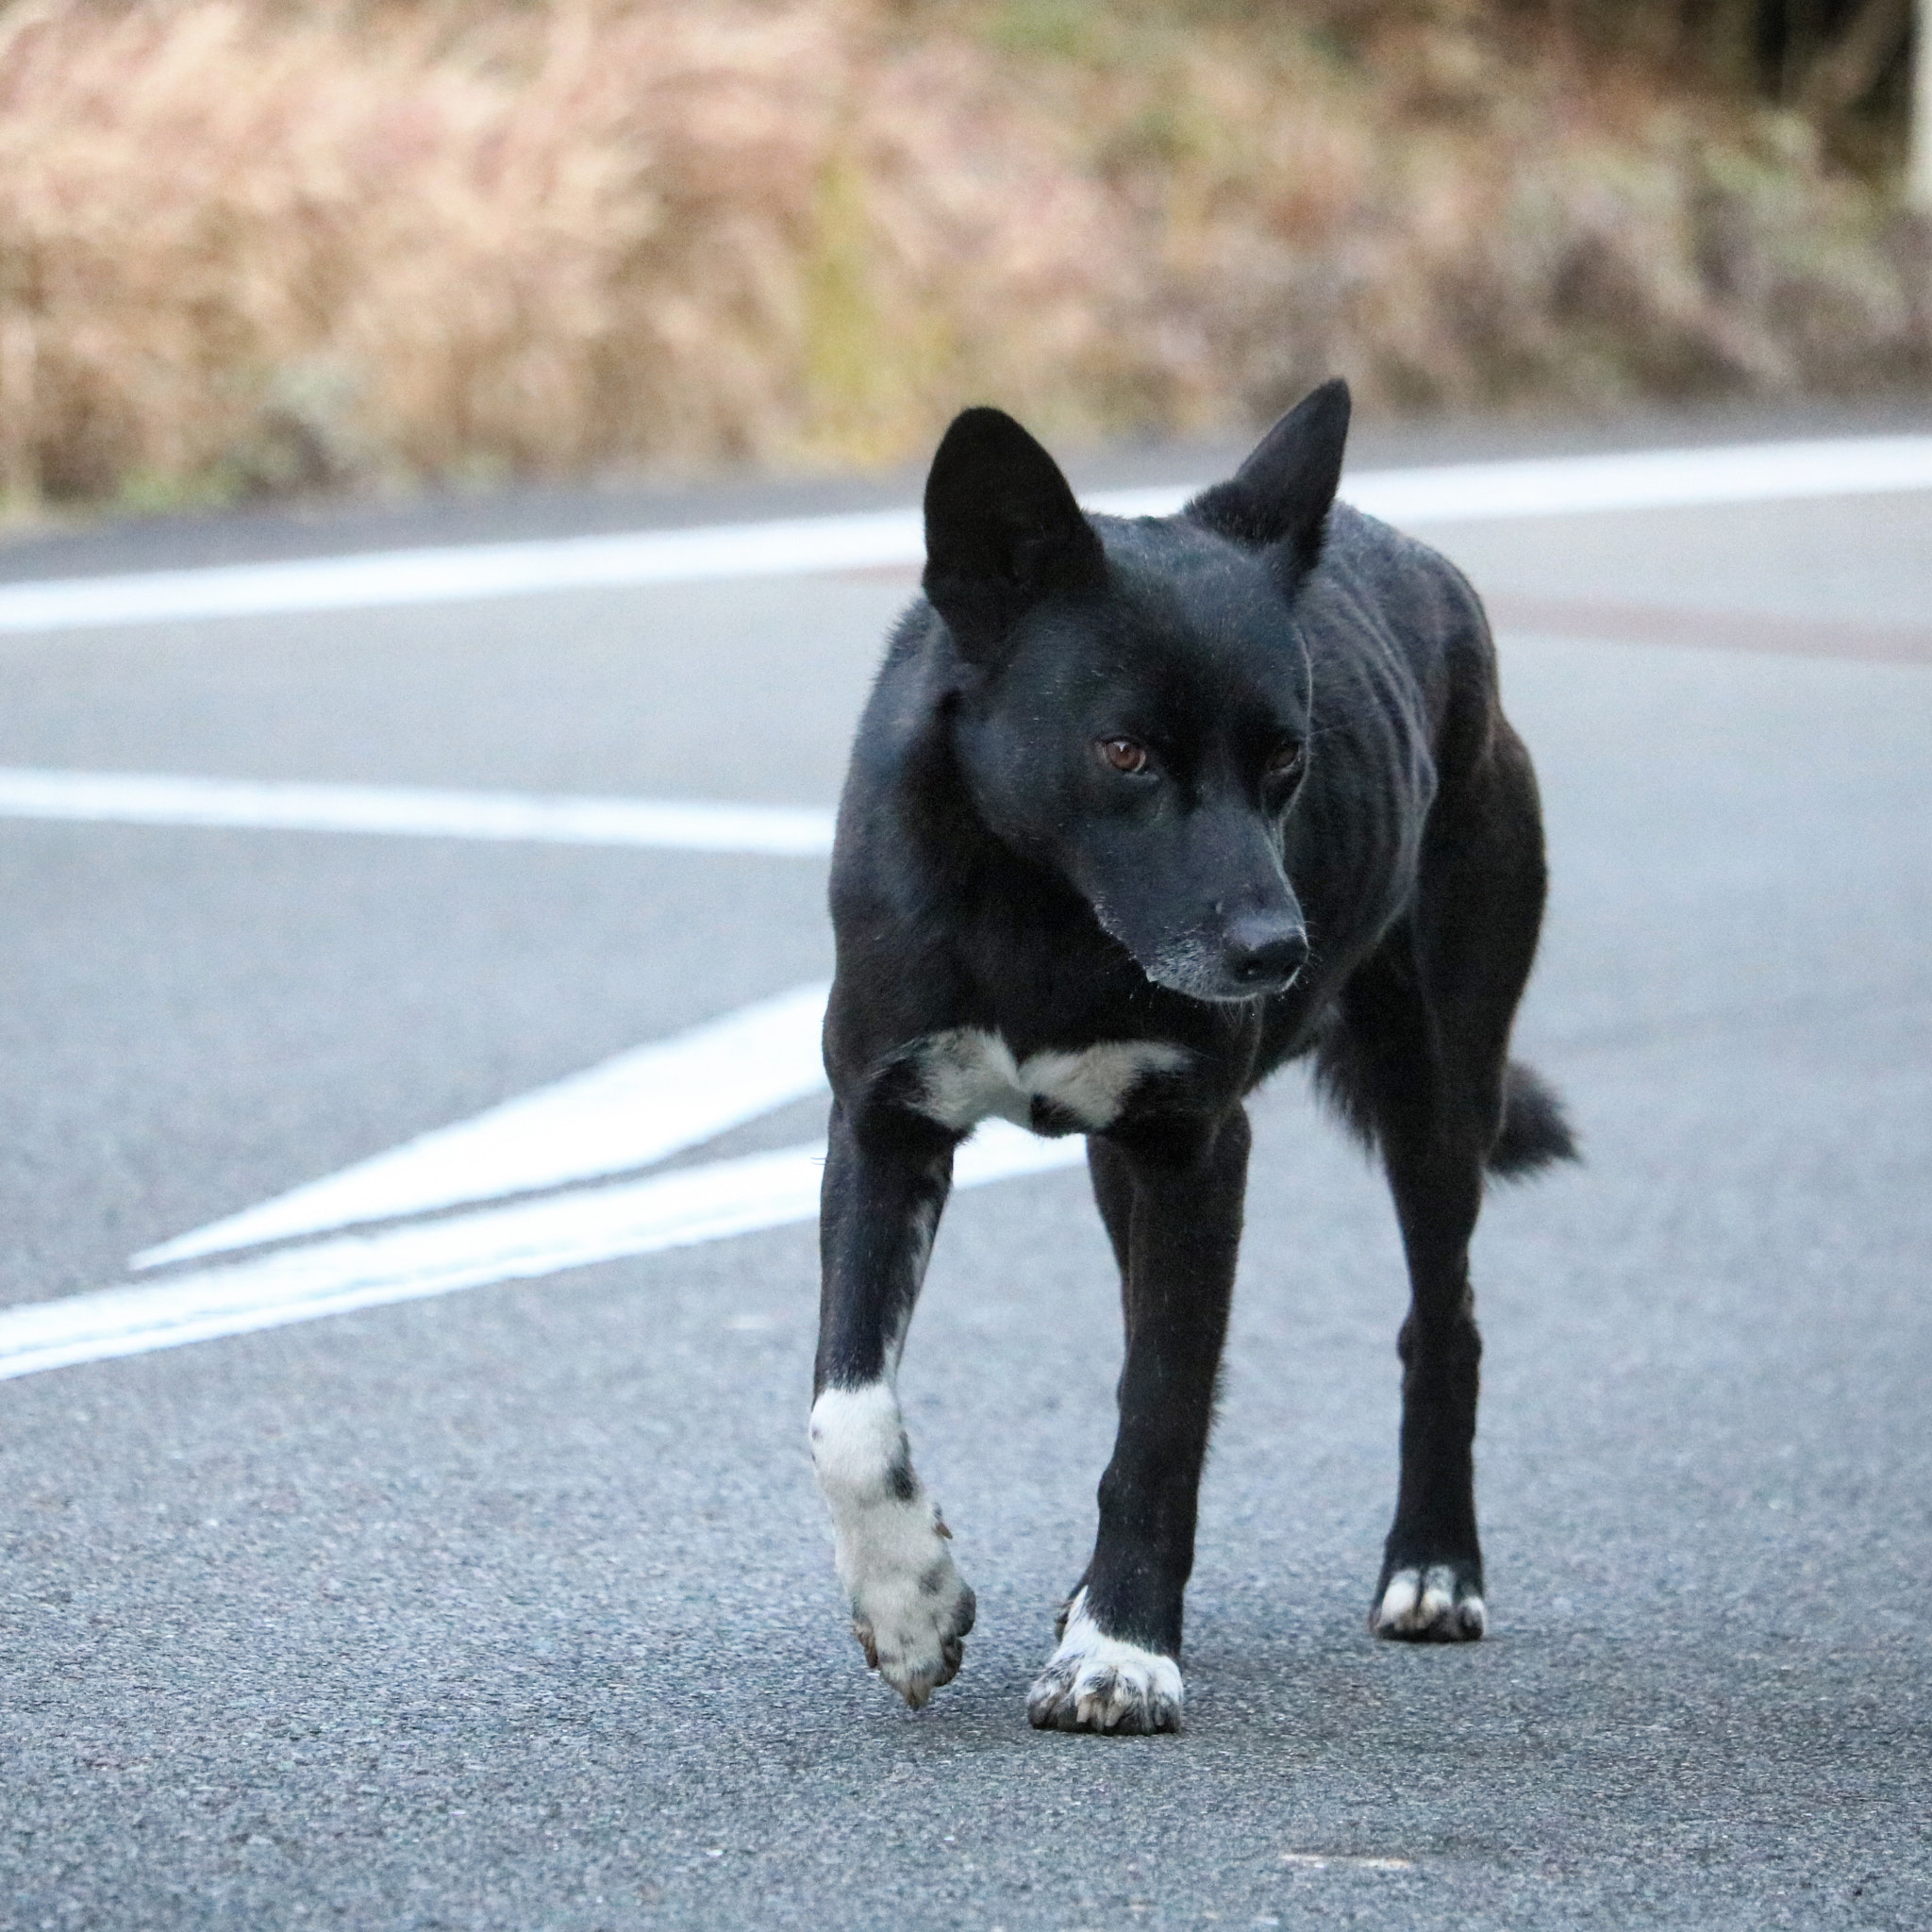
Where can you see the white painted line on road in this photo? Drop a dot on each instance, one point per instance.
(517, 1242)
(612, 1119)
(1548, 486)
(137, 798)
(1346, 1861)
(1646, 479)
(465, 572)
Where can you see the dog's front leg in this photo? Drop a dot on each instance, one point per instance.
(887, 1176)
(1118, 1664)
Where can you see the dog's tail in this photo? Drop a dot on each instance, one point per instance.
(1535, 1133)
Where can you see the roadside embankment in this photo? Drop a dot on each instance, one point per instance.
(248, 248)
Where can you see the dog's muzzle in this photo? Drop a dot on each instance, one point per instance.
(1251, 959)
(1263, 956)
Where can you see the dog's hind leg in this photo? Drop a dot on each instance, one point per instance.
(1425, 1027)
(1171, 1199)
(886, 1183)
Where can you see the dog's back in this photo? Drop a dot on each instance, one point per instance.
(1405, 683)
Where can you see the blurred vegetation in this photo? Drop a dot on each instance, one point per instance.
(256, 247)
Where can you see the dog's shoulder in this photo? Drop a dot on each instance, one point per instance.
(1408, 590)
(1395, 629)
(907, 691)
(896, 756)
(908, 854)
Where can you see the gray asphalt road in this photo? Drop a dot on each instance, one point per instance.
(514, 1609)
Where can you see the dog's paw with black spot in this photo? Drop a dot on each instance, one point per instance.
(913, 1625)
(1094, 1682)
(1430, 1603)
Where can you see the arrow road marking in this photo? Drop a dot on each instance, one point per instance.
(800, 546)
(517, 1242)
(612, 1119)
(631, 1111)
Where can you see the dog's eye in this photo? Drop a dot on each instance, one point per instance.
(1287, 759)
(1124, 754)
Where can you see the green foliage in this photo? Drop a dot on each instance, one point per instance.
(1055, 29)
(868, 361)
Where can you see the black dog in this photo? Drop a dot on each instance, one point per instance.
(1137, 811)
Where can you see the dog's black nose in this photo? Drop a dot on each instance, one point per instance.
(1265, 951)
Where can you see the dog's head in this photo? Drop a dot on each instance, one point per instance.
(1133, 703)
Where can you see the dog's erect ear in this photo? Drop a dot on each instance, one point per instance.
(1281, 494)
(1001, 530)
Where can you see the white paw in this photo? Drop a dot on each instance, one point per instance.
(911, 1607)
(912, 1628)
(1094, 1682)
(1429, 1607)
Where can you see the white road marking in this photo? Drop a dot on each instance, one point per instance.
(517, 1242)
(1646, 479)
(1320, 1862)
(798, 546)
(610, 1119)
(469, 572)
(136, 798)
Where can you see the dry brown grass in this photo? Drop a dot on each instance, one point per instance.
(246, 246)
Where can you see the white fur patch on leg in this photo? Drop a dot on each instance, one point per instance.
(1094, 1682)
(1422, 1606)
(910, 1610)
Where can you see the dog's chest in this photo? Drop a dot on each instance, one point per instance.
(967, 1074)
